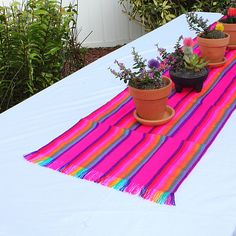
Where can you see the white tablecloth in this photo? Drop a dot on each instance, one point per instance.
(39, 201)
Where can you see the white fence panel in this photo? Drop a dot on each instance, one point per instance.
(109, 25)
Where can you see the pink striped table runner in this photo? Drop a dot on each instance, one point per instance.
(110, 148)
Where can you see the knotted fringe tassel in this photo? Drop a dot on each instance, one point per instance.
(125, 185)
(158, 196)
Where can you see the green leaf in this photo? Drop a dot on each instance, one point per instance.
(53, 51)
(187, 59)
(41, 12)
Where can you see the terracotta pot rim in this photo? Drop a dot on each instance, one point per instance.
(226, 38)
(228, 23)
(159, 89)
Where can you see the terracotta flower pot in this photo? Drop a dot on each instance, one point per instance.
(151, 104)
(213, 49)
(231, 30)
(189, 79)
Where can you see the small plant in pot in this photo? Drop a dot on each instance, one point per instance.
(212, 40)
(186, 69)
(229, 23)
(148, 88)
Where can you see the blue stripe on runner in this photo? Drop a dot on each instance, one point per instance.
(84, 150)
(68, 146)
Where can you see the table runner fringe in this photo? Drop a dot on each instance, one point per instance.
(124, 185)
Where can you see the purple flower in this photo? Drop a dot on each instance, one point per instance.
(153, 64)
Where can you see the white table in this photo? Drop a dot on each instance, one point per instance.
(39, 201)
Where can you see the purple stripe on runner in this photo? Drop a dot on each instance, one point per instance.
(62, 168)
(182, 121)
(121, 159)
(207, 145)
(209, 110)
(100, 158)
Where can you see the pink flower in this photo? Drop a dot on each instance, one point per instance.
(231, 12)
(163, 65)
(188, 42)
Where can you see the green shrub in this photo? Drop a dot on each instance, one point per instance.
(211, 6)
(154, 13)
(35, 38)
(149, 13)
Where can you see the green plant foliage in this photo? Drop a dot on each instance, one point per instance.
(214, 34)
(211, 6)
(150, 13)
(196, 23)
(194, 62)
(35, 37)
(142, 75)
(154, 13)
(200, 26)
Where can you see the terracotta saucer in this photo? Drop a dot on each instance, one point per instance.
(232, 46)
(217, 64)
(169, 113)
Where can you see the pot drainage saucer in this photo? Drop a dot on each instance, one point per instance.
(232, 46)
(168, 114)
(217, 64)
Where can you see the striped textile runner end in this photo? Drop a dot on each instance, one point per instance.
(110, 148)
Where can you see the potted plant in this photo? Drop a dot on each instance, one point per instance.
(148, 88)
(229, 23)
(186, 69)
(212, 40)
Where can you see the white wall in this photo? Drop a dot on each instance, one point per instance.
(105, 18)
(109, 24)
